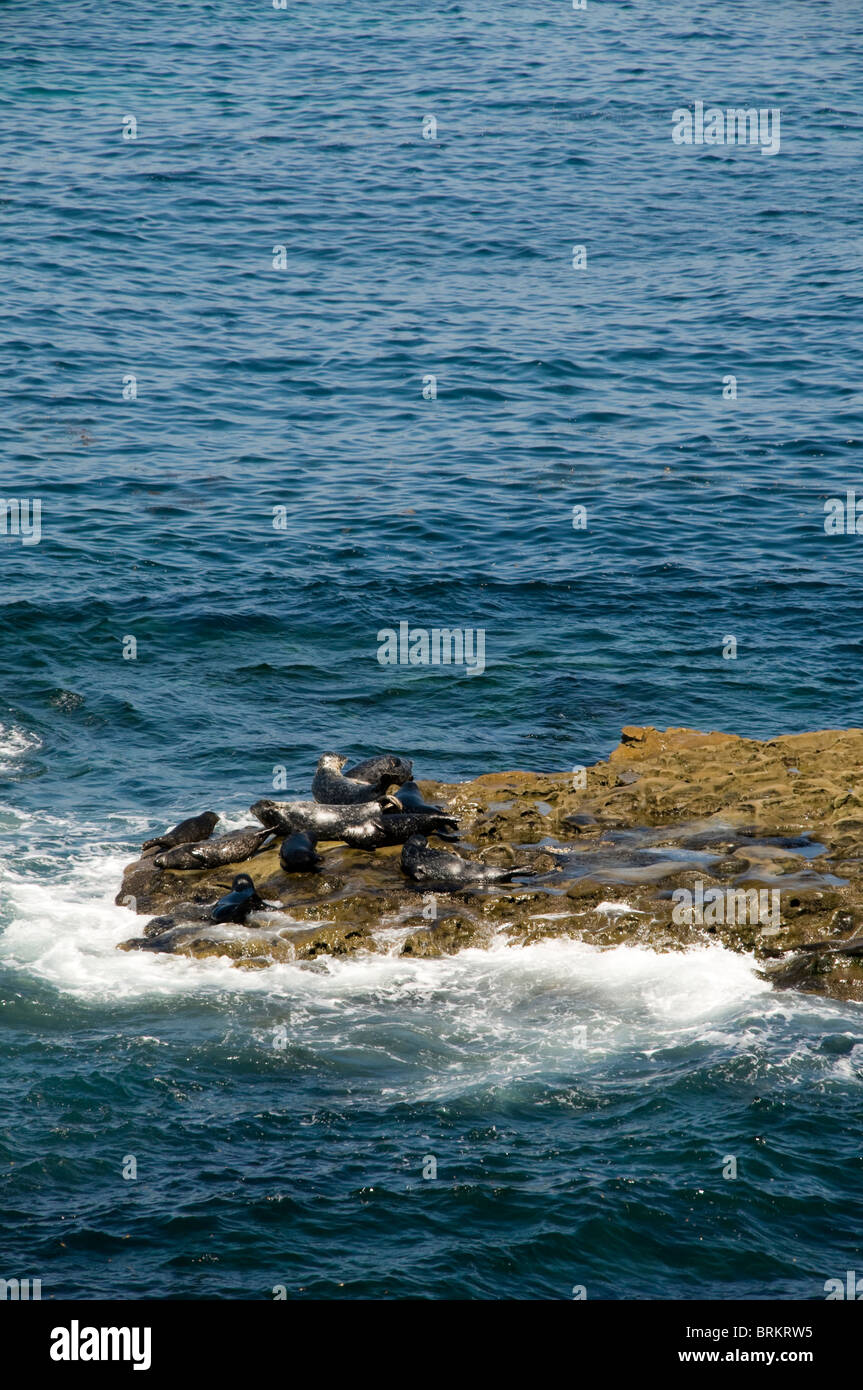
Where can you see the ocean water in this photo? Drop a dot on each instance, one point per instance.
(579, 1106)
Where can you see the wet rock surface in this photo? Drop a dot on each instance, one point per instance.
(669, 810)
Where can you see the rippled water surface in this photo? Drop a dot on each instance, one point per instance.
(579, 1105)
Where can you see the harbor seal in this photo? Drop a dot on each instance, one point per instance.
(173, 939)
(187, 832)
(396, 829)
(332, 788)
(383, 771)
(319, 821)
(297, 854)
(366, 826)
(445, 869)
(236, 905)
(182, 915)
(208, 854)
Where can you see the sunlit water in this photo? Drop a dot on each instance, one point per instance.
(580, 1105)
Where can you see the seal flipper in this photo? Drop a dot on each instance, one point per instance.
(410, 798)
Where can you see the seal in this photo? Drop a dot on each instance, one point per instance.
(386, 770)
(365, 826)
(187, 832)
(444, 869)
(321, 822)
(297, 854)
(173, 939)
(396, 829)
(209, 854)
(410, 798)
(182, 915)
(331, 788)
(236, 905)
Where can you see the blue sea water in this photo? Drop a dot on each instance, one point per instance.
(559, 1163)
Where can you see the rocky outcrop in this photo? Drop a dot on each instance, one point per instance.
(608, 847)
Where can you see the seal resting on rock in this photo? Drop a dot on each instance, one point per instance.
(209, 854)
(187, 832)
(167, 941)
(297, 854)
(383, 771)
(445, 869)
(332, 788)
(396, 829)
(236, 905)
(366, 826)
(321, 822)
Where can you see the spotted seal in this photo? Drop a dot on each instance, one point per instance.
(445, 869)
(209, 854)
(366, 826)
(396, 828)
(385, 770)
(332, 788)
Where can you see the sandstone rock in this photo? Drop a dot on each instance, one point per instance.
(749, 807)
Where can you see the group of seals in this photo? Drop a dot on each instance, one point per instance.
(366, 826)
(356, 807)
(189, 844)
(368, 781)
(208, 854)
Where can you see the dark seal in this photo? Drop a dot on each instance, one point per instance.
(236, 905)
(366, 826)
(187, 832)
(396, 828)
(297, 854)
(410, 798)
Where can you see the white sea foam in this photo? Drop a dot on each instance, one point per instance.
(490, 1016)
(16, 743)
(65, 930)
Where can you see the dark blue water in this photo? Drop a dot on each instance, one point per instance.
(302, 388)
